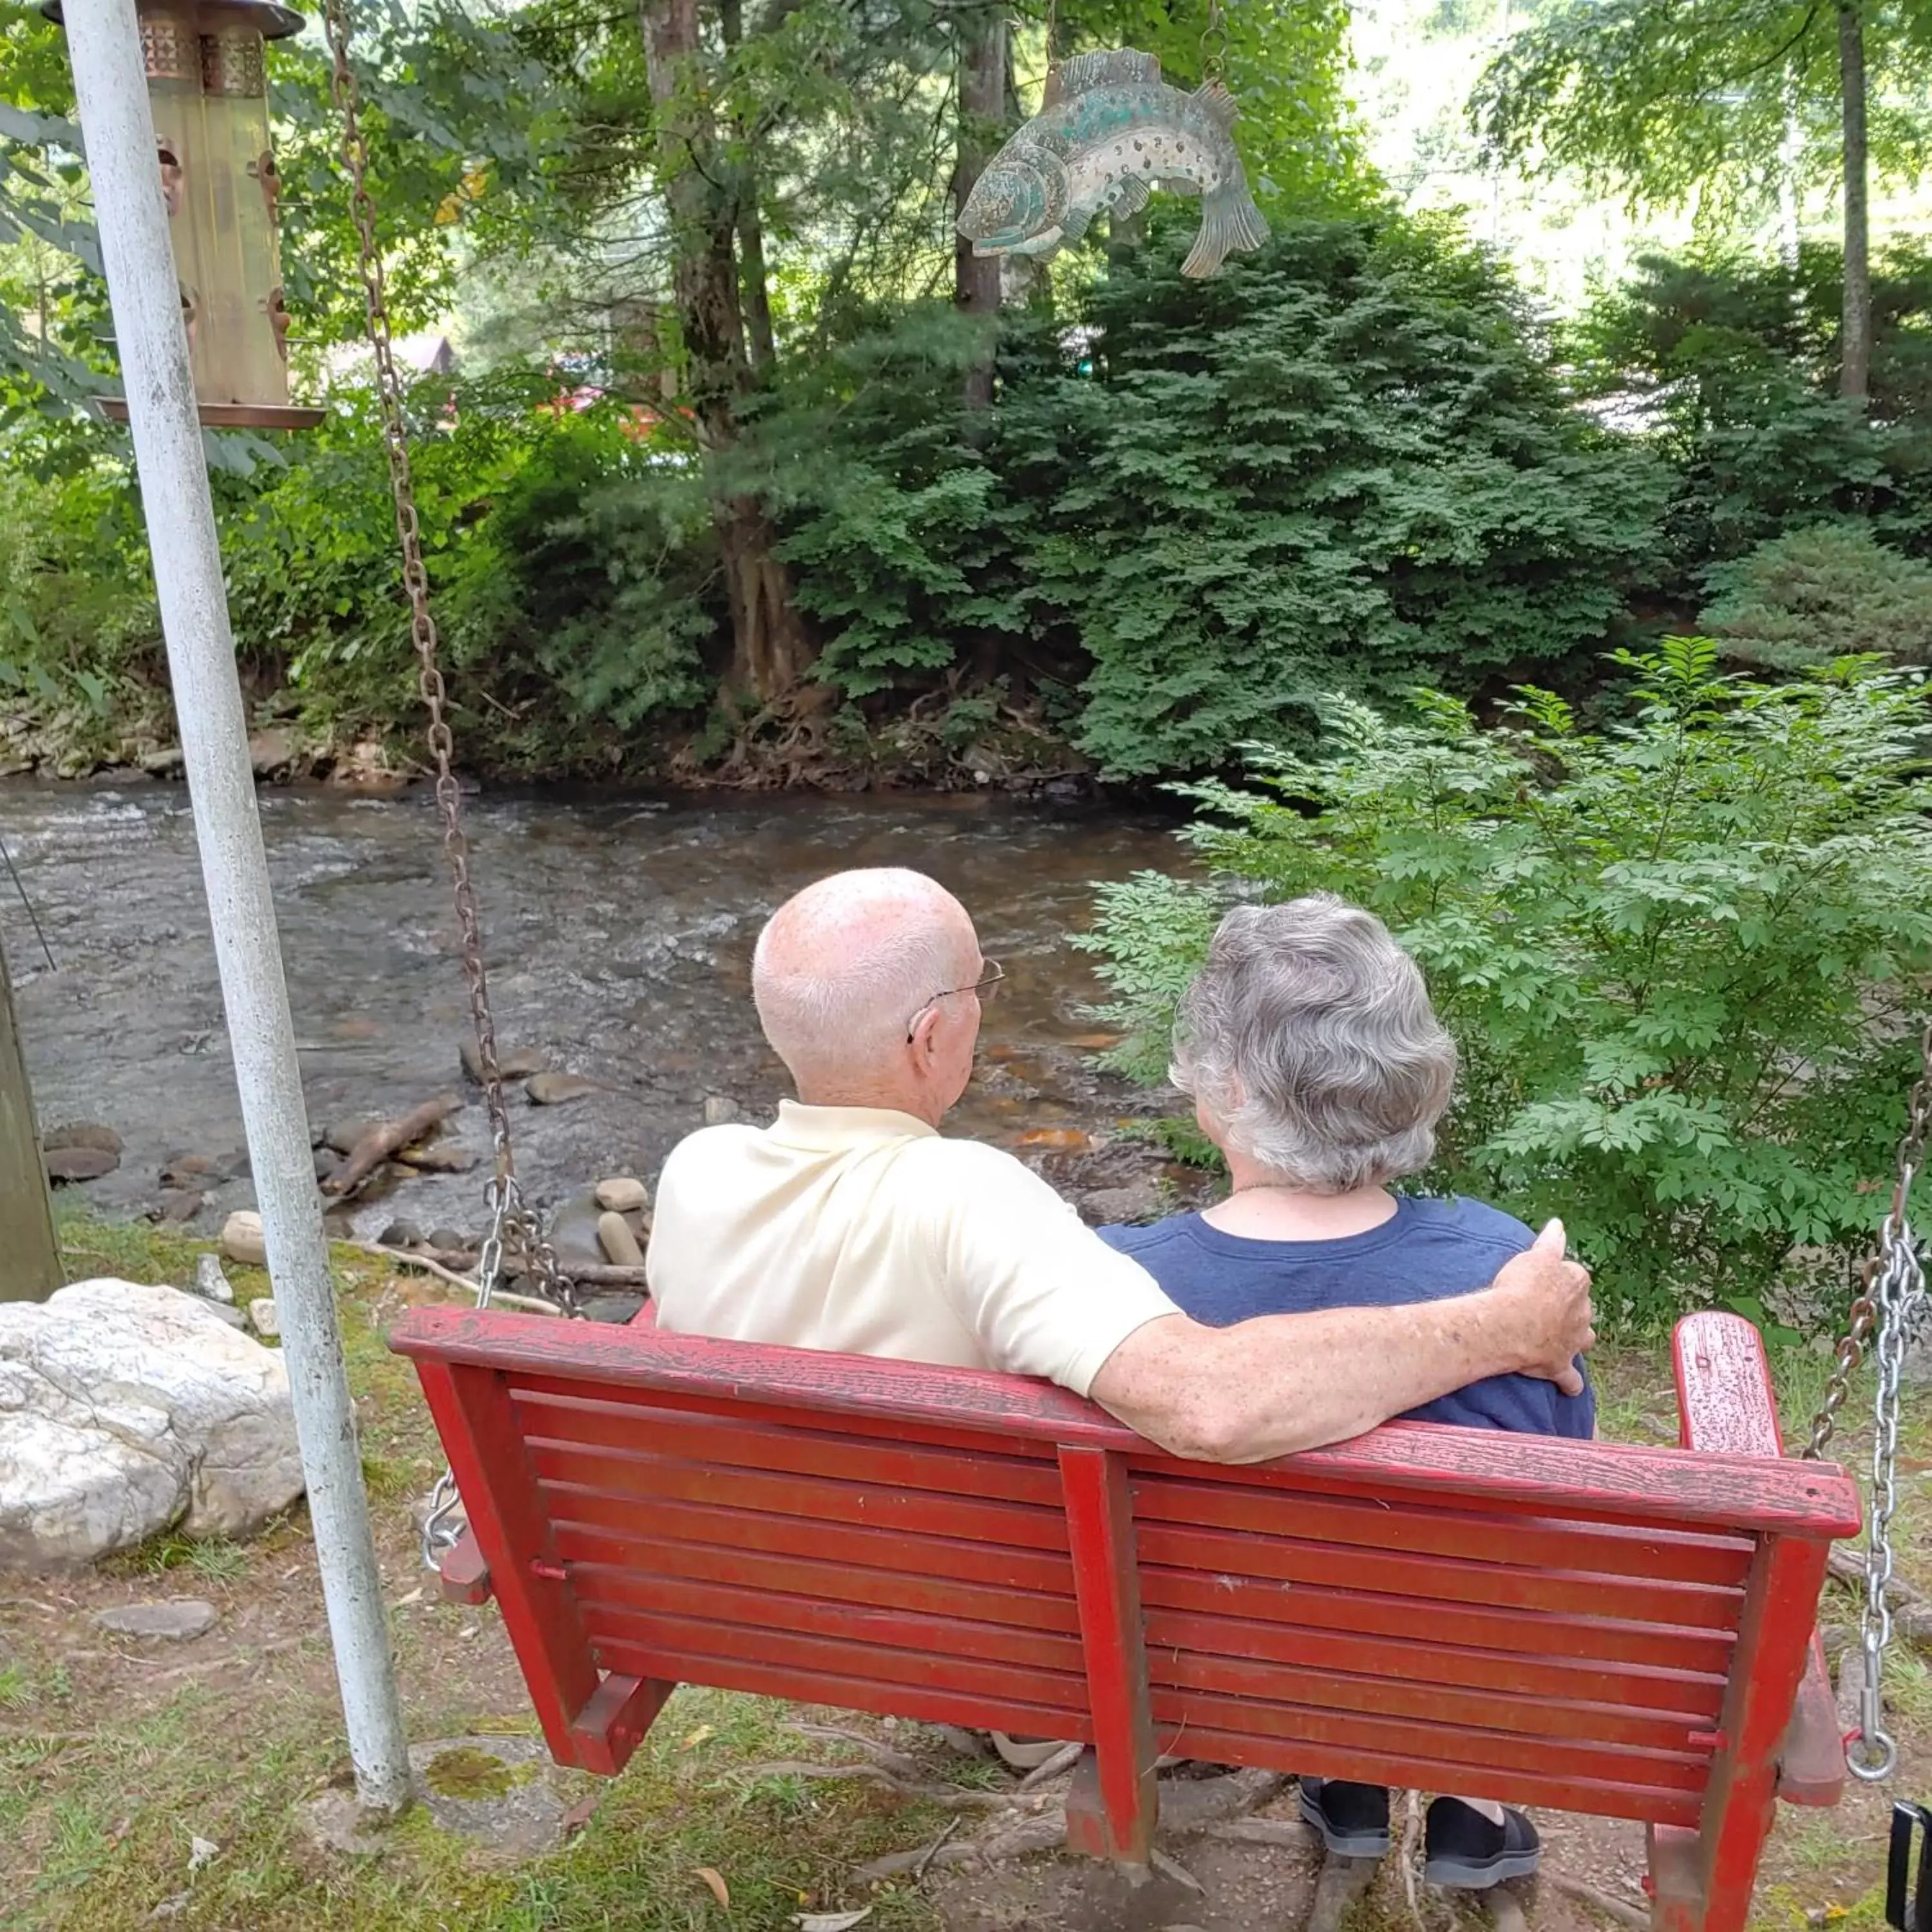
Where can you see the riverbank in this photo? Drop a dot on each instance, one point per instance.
(143, 1783)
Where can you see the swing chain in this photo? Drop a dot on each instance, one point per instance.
(1892, 1305)
(1213, 43)
(513, 1228)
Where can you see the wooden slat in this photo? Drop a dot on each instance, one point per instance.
(1112, 1815)
(922, 1593)
(1681, 1694)
(1813, 1499)
(1467, 1535)
(933, 1700)
(645, 1479)
(1348, 1760)
(620, 1635)
(1536, 1632)
(697, 1437)
(655, 1517)
(1440, 1578)
(1405, 1737)
(1426, 1702)
(598, 1589)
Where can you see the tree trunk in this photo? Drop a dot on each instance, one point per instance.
(1854, 377)
(982, 46)
(770, 650)
(754, 293)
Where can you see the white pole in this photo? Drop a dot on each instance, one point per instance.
(117, 125)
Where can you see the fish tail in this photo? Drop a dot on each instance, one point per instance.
(1230, 223)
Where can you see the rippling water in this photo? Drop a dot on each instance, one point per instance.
(619, 935)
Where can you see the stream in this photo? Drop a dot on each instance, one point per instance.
(619, 933)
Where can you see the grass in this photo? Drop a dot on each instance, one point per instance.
(109, 1771)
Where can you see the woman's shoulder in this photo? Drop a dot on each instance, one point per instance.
(1458, 1215)
(1134, 1237)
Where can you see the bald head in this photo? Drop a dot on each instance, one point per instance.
(842, 969)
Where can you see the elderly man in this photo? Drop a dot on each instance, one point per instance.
(850, 1224)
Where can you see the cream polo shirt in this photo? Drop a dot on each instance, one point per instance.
(860, 1229)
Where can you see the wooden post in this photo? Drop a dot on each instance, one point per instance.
(30, 1259)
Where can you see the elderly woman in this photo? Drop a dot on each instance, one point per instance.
(1317, 1068)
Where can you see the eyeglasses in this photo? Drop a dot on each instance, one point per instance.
(991, 973)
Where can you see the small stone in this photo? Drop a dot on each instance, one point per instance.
(178, 1205)
(615, 1305)
(169, 759)
(515, 1063)
(69, 1164)
(343, 1135)
(621, 1194)
(573, 1230)
(552, 1089)
(233, 1316)
(619, 1243)
(327, 1160)
(241, 1239)
(210, 1281)
(402, 1234)
(175, 1621)
(719, 1108)
(262, 1317)
(1107, 1207)
(450, 1241)
(81, 1134)
(190, 1170)
(439, 1159)
(271, 752)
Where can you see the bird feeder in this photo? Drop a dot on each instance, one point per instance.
(208, 87)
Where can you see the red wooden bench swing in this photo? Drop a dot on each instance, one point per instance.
(1626, 1632)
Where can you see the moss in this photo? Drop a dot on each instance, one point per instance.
(467, 1772)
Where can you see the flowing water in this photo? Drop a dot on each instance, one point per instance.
(618, 934)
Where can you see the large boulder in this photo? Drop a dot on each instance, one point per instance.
(127, 1410)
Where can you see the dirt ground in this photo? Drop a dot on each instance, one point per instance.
(120, 1760)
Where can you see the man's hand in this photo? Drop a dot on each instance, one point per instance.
(1552, 1303)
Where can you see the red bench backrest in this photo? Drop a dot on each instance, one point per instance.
(1496, 1615)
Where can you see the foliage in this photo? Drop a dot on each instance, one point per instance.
(1730, 365)
(1814, 594)
(1677, 956)
(1346, 463)
(1667, 100)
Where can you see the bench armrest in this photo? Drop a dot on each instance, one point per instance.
(463, 1577)
(1725, 1402)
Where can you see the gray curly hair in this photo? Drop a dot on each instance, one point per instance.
(1309, 1035)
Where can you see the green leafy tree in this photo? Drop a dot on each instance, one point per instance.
(1680, 957)
(1670, 100)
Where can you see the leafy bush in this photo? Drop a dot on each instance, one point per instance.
(1344, 464)
(1731, 363)
(1677, 956)
(1814, 594)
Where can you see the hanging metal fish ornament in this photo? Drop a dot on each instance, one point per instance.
(1109, 131)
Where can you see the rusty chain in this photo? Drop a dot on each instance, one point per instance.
(513, 1227)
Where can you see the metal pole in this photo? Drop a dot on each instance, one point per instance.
(117, 125)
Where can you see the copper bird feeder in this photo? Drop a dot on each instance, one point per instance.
(207, 85)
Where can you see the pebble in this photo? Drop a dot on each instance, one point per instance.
(619, 1243)
(615, 1305)
(262, 1317)
(719, 1108)
(402, 1234)
(233, 1316)
(621, 1194)
(186, 1170)
(81, 1134)
(79, 1163)
(450, 1241)
(210, 1282)
(179, 1205)
(1138, 1201)
(271, 752)
(439, 1159)
(551, 1090)
(241, 1239)
(515, 1063)
(176, 1620)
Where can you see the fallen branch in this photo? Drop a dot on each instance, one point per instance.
(1611, 1908)
(1032, 1834)
(585, 1274)
(409, 1258)
(1064, 1759)
(386, 1139)
(898, 1762)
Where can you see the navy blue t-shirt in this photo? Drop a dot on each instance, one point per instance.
(1428, 1250)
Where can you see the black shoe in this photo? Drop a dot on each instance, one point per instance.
(1352, 1819)
(1466, 1852)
